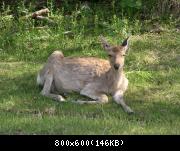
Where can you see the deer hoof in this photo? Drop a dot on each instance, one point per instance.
(129, 110)
(60, 98)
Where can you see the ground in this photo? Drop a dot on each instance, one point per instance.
(152, 67)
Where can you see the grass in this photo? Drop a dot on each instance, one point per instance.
(152, 67)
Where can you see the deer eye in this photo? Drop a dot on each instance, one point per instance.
(123, 55)
(109, 55)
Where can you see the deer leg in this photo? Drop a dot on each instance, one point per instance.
(118, 98)
(98, 98)
(47, 89)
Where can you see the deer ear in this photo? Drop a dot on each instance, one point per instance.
(125, 43)
(105, 44)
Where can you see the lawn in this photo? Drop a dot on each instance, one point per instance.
(152, 67)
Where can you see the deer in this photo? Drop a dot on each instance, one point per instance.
(92, 77)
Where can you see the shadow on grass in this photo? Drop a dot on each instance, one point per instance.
(45, 114)
(24, 90)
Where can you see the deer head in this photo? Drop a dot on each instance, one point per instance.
(116, 53)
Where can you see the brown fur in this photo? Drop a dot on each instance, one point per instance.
(92, 77)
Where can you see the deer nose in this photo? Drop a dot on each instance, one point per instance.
(116, 66)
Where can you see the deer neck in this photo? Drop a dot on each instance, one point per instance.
(114, 78)
(115, 74)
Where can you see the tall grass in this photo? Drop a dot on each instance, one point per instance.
(73, 27)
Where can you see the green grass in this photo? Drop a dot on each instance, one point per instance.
(152, 67)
